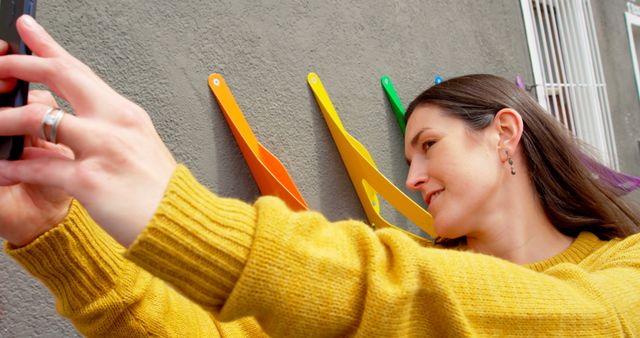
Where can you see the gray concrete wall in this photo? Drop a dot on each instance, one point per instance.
(618, 71)
(159, 54)
(621, 86)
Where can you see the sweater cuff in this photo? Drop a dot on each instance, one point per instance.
(77, 261)
(196, 241)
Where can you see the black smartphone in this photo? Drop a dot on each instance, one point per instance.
(10, 10)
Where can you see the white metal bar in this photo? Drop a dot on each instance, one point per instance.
(551, 103)
(587, 108)
(545, 57)
(573, 55)
(551, 59)
(633, 20)
(557, 60)
(596, 124)
(527, 15)
(586, 113)
(590, 115)
(566, 63)
(565, 35)
(633, 8)
(606, 111)
(600, 128)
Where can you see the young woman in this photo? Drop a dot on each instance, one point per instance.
(542, 246)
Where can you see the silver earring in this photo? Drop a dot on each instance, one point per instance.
(513, 170)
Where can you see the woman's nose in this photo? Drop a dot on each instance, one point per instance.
(415, 178)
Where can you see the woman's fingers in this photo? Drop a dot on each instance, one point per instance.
(27, 120)
(37, 38)
(43, 170)
(43, 97)
(37, 145)
(51, 151)
(62, 73)
(4, 47)
(6, 85)
(118, 155)
(80, 88)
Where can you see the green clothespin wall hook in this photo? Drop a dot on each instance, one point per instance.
(394, 100)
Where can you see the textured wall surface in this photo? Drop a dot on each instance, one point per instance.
(618, 71)
(160, 53)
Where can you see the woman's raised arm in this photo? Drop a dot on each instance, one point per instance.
(120, 166)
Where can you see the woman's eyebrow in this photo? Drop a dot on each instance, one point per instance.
(414, 140)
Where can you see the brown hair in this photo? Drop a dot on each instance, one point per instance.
(574, 199)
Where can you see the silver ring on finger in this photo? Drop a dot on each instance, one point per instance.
(50, 122)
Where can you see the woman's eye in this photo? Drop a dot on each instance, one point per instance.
(427, 144)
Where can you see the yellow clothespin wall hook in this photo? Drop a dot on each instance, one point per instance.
(364, 174)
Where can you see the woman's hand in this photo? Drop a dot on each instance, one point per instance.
(28, 210)
(120, 166)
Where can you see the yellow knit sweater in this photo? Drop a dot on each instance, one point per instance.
(302, 276)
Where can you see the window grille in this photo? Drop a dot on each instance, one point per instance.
(632, 17)
(567, 70)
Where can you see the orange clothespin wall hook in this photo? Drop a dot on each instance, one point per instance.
(270, 175)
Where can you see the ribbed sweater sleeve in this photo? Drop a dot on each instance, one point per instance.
(303, 276)
(105, 295)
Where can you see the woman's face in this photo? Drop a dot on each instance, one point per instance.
(456, 169)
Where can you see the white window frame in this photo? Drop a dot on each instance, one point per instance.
(567, 70)
(632, 18)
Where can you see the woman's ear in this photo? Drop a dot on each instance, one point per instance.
(508, 124)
